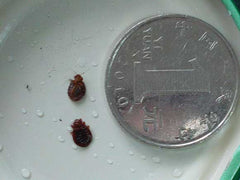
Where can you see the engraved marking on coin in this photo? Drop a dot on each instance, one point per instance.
(157, 43)
(210, 43)
(172, 81)
(134, 54)
(122, 102)
(150, 118)
(147, 44)
(147, 81)
(119, 75)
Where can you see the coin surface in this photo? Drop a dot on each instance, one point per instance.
(172, 80)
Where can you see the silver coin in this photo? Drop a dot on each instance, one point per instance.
(172, 81)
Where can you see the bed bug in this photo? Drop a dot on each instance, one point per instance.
(81, 133)
(76, 89)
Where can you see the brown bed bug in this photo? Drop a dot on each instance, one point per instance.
(76, 89)
(81, 133)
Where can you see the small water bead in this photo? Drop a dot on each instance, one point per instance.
(24, 111)
(77, 38)
(94, 114)
(1, 116)
(42, 83)
(156, 159)
(143, 157)
(74, 146)
(1, 147)
(39, 113)
(94, 64)
(61, 139)
(229, 13)
(111, 29)
(54, 119)
(26, 123)
(109, 161)
(10, 59)
(130, 153)
(151, 175)
(177, 173)
(26, 173)
(132, 170)
(96, 137)
(69, 129)
(111, 145)
(95, 155)
(92, 99)
(35, 30)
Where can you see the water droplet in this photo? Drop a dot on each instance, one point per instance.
(143, 157)
(26, 123)
(42, 83)
(32, 45)
(24, 111)
(21, 66)
(69, 128)
(92, 99)
(18, 32)
(88, 44)
(39, 113)
(1, 147)
(130, 153)
(77, 38)
(60, 139)
(35, 30)
(109, 161)
(35, 42)
(26, 173)
(10, 59)
(1, 116)
(151, 175)
(95, 155)
(94, 64)
(156, 159)
(59, 22)
(54, 119)
(111, 29)
(24, 28)
(177, 172)
(132, 170)
(96, 137)
(94, 114)
(74, 146)
(229, 13)
(111, 145)
(82, 65)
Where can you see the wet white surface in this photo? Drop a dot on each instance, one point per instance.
(77, 36)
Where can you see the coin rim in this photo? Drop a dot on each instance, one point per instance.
(136, 134)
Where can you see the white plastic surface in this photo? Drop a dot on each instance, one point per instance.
(43, 44)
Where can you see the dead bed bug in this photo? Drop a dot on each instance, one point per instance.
(76, 89)
(81, 133)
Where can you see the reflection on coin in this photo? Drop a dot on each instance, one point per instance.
(172, 81)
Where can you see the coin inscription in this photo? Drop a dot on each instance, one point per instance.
(172, 80)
